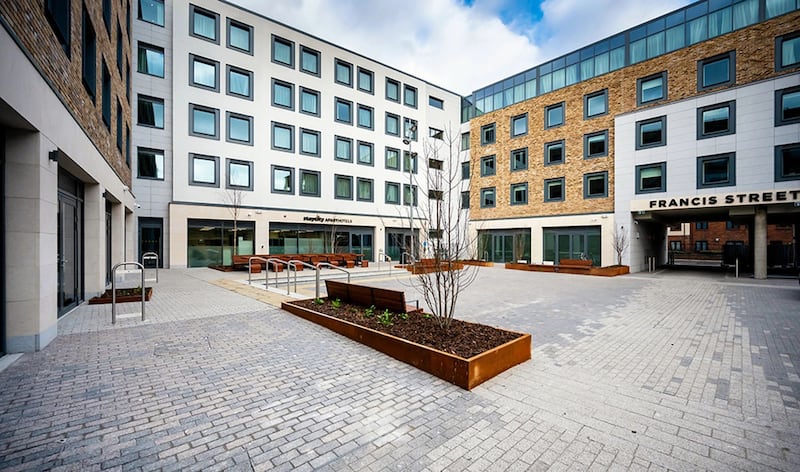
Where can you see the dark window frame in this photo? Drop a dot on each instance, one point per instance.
(208, 13)
(336, 102)
(663, 76)
(336, 178)
(371, 147)
(336, 140)
(140, 45)
(284, 126)
(513, 159)
(702, 63)
(592, 175)
(589, 96)
(587, 154)
(435, 102)
(304, 193)
(209, 62)
(779, 164)
(359, 108)
(547, 185)
(59, 15)
(484, 192)
(547, 146)
(386, 193)
(513, 122)
(779, 50)
(316, 93)
(485, 167)
(149, 99)
(488, 127)
(547, 109)
(731, 181)
(731, 105)
(275, 39)
(277, 82)
(229, 22)
(661, 188)
(779, 94)
(238, 116)
(662, 142)
(386, 124)
(312, 52)
(154, 153)
(272, 170)
(89, 55)
(316, 133)
(371, 89)
(192, 181)
(386, 158)
(512, 189)
(410, 88)
(346, 65)
(228, 69)
(371, 182)
(396, 84)
(250, 176)
(142, 18)
(206, 109)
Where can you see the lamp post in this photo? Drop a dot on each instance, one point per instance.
(411, 200)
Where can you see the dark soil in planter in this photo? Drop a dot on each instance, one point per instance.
(123, 295)
(462, 339)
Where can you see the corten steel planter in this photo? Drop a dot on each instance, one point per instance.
(478, 263)
(105, 297)
(610, 271)
(466, 373)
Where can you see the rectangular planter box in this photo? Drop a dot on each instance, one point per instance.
(466, 373)
(106, 297)
(609, 271)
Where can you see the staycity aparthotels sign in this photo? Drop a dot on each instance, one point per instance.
(766, 197)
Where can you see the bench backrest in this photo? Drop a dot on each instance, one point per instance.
(382, 298)
(575, 262)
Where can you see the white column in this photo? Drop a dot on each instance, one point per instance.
(94, 239)
(760, 244)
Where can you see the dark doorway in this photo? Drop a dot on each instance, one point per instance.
(2, 241)
(151, 238)
(108, 242)
(70, 242)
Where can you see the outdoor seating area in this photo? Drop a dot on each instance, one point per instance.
(571, 266)
(381, 298)
(344, 259)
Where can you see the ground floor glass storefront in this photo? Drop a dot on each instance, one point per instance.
(211, 242)
(572, 243)
(508, 245)
(320, 239)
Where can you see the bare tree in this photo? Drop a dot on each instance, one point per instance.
(620, 242)
(234, 198)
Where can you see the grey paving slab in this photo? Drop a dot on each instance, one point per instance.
(665, 371)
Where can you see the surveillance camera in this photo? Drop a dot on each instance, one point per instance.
(137, 205)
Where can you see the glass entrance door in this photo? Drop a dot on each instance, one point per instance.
(502, 248)
(572, 243)
(151, 239)
(68, 253)
(361, 243)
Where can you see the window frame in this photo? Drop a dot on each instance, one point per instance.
(88, 55)
(230, 22)
(412, 160)
(343, 177)
(702, 63)
(149, 99)
(465, 204)
(361, 107)
(513, 159)
(435, 102)
(410, 88)
(408, 124)
(731, 181)
(275, 39)
(488, 127)
(282, 83)
(548, 109)
(512, 190)
(371, 182)
(228, 69)
(386, 158)
(312, 52)
(486, 169)
(465, 143)
(548, 183)
(346, 65)
(302, 131)
(371, 147)
(105, 91)
(205, 157)
(248, 164)
(59, 15)
(592, 175)
(588, 97)
(663, 142)
(336, 140)
(779, 167)
(663, 76)
(547, 146)
(305, 90)
(284, 126)
(587, 154)
(336, 102)
(141, 45)
(485, 191)
(795, 35)
(238, 116)
(731, 105)
(209, 62)
(208, 13)
(386, 124)
(300, 191)
(272, 170)
(195, 107)
(638, 172)
(522, 116)
(466, 170)
(386, 193)
(779, 94)
(371, 89)
(396, 84)
(410, 191)
(155, 154)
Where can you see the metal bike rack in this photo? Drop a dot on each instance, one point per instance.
(277, 261)
(404, 258)
(328, 264)
(250, 267)
(151, 256)
(114, 288)
(293, 265)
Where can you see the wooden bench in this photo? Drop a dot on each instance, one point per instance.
(574, 265)
(382, 298)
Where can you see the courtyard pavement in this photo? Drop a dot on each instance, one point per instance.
(665, 371)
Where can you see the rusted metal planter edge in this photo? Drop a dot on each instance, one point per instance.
(466, 373)
(98, 300)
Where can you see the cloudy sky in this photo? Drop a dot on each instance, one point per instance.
(461, 45)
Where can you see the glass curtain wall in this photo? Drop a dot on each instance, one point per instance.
(211, 242)
(504, 245)
(572, 243)
(320, 239)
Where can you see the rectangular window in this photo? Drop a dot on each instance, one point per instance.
(487, 134)
(730, 225)
(716, 171)
(787, 106)
(240, 174)
(554, 115)
(282, 94)
(343, 72)
(465, 171)
(701, 245)
(365, 153)
(282, 180)
(204, 24)
(701, 225)
(674, 245)
(309, 101)
(392, 90)
(89, 58)
(651, 133)
(488, 166)
(309, 61)
(393, 193)
(106, 93)
(203, 170)
(435, 194)
(787, 162)
(240, 36)
(651, 178)
(392, 124)
(595, 185)
(409, 195)
(239, 82)
(150, 111)
(127, 146)
(519, 194)
(409, 96)
(282, 51)
(59, 15)
(365, 117)
(152, 11)
(554, 153)
(119, 126)
(364, 190)
(410, 162)
(150, 163)
(435, 164)
(107, 15)
(435, 133)
(787, 51)
(716, 120)
(343, 187)
(282, 137)
(554, 190)
(309, 142)
(652, 88)
(595, 144)
(465, 200)
(436, 102)
(410, 129)
(488, 197)
(203, 121)
(519, 159)
(309, 183)
(519, 125)
(120, 56)
(240, 128)
(366, 80)
(203, 73)
(465, 141)
(344, 149)
(343, 111)
(716, 71)
(595, 104)
(392, 158)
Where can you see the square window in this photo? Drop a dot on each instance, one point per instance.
(716, 120)
(410, 195)
(487, 197)
(716, 171)
(487, 134)
(344, 149)
(240, 174)
(519, 159)
(309, 61)
(554, 153)
(701, 225)
(519, 194)
(409, 96)
(282, 137)
(364, 190)
(204, 24)
(787, 51)
(282, 94)
(488, 166)
(554, 190)
(554, 115)
(410, 129)
(203, 121)
(365, 117)
(519, 125)
(595, 144)
(465, 141)
(365, 80)
(393, 193)
(343, 187)
(716, 71)
(595, 104)
(150, 163)
(240, 128)
(465, 200)
(203, 170)
(365, 156)
(343, 111)
(787, 162)
(651, 178)
(282, 51)
(392, 90)
(239, 82)
(701, 245)
(203, 73)
(787, 106)
(652, 88)
(309, 101)
(309, 183)
(436, 102)
(651, 133)
(392, 158)
(595, 185)
(410, 162)
(240, 36)
(392, 124)
(152, 11)
(150, 111)
(343, 73)
(150, 60)
(309, 142)
(282, 180)
(465, 170)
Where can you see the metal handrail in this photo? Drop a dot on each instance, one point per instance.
(114, 288)
(408, 256)
(294, 263)
(250, 267)
(151, 256)
(274, 260)
(328, 264)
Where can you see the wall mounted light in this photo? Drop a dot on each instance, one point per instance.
(53, 155)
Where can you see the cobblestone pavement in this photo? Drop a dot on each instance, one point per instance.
(665, 371)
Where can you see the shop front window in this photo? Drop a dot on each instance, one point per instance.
(214, 242)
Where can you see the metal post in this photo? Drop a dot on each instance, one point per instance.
(114, 289)
(737, 267)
